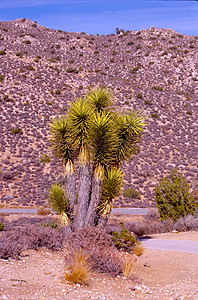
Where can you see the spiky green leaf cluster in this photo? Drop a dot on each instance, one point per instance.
(58, 200)
(103, 139)
(90, 130)
(130, 126)
(60, 140)
(100, 99)
(111, 188)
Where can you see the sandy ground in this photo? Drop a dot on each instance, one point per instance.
(156, 275)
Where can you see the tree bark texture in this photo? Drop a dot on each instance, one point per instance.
(103, 221)
(70, 189)
(94, 202)
(83, 196)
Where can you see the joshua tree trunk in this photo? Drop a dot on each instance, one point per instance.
(70, 184)
(94, 202)
(83, 196)
(103, 221)
(70, 189)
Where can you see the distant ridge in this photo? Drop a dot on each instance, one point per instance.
(43, 70)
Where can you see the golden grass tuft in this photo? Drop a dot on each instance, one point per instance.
(79, 269)
(138, 249)
(128, 265)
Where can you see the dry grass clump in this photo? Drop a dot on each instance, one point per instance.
(79, 268)
(128, 265)
(138, 249)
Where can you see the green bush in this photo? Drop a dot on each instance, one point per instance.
(45, 158)
(131, 193)
(27, 42)
(154, 116)
(1, 226)
(16, 131)
(2, 78)
(2, 52)
(157, 88)
(123, 239)
(173, 198)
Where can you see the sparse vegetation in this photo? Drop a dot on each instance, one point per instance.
(45, 158)
(2, 78)
(2, 52)
(154, 116)
(131, 193)
(124, 239)
(1, 226)
(157, 88)
(27, 42)
(16, 130)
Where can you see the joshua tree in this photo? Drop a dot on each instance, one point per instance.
(92, 141)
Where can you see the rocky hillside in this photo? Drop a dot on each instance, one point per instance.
(43, 70)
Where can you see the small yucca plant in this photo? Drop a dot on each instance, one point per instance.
(79, 269)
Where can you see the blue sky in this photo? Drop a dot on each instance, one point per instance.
(103, 16)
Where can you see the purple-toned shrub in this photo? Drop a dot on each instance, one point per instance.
(13, 242)
(98, 244)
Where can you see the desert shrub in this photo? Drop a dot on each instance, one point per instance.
(27, 42)
(139, 95)
(19, 54)
(1, 226)
(45, 158)
(98, 244)
(114, 52)
(148, 102)
(131, 193)
(58, 92)
(154, 116)
(30, 68)
(52, 224)
(173, 198)
(2, 52)
(16, 130)
(72, 70)
(124, 239)
(152, 215)
(79, 267)
(12, 243)
(138, 47)
(130, 43)
(2, 78)
(187, 223)
(134, 70)
(52, 60)
(157, 88)
(136, 228)
(43, 211)
(189, 112)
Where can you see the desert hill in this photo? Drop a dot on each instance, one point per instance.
(43, 70)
